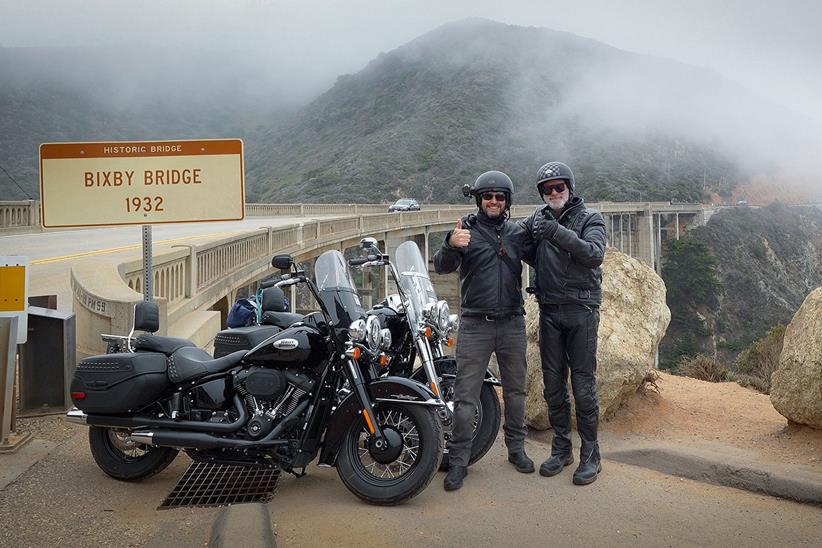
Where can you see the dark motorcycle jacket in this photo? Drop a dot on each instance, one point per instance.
(568, 261)
(490, 266)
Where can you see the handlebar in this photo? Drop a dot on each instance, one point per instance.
(268, 283)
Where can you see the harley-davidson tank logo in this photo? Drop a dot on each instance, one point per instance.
(286, 344)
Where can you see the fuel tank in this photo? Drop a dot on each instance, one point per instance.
(299, 346)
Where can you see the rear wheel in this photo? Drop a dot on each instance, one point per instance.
(122, 458)
(412, 465)
(486, 423)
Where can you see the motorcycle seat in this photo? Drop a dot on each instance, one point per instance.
(190, 362)
(280, 319)
(154, 343)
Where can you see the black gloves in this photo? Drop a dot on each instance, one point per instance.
(545, 226)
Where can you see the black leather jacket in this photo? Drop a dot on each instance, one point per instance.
(568, 263)
(490, 266)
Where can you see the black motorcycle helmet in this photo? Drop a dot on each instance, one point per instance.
(491, 181)
(553, 171)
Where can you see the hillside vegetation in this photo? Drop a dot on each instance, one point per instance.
(739, 280)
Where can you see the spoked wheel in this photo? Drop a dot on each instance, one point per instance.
(393, 474)
(122, 458)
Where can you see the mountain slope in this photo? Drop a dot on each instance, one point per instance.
(765, 260)
(477, 95)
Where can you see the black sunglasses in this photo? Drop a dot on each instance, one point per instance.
(488, 196)
(548, 189)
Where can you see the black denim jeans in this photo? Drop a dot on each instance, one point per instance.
(477, 339)
(568, 342)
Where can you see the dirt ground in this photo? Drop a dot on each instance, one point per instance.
(691, 410)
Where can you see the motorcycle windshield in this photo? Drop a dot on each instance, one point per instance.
(414, 280)
(337, 290)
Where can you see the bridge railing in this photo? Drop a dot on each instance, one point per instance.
(19, 214)
(194, 277)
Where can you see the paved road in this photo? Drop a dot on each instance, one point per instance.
(53, 253)
(65, 500)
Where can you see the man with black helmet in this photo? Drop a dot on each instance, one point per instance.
(570, 249)
(488, 250)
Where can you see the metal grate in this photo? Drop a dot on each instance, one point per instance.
(206, 484)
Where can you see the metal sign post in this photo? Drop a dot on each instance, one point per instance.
(148, 286)
(14, 282)
(8, 354)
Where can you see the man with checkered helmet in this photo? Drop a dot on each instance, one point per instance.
(569, 254)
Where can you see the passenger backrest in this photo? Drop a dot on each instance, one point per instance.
(274, 300)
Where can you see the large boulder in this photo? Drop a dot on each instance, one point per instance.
(796, 387)
(633, 319)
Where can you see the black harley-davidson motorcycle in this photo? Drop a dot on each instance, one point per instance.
(302, 392)
(420, 325)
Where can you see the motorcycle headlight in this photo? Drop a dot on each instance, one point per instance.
(454, 320)
(357, 330)
(372, 333)
(429, 312)
(385, 339)
(443, 316)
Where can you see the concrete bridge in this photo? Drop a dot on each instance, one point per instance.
(195, 284)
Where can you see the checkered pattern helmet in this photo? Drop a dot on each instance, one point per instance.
(553, 171)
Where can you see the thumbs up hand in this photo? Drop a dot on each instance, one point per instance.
(460, 237)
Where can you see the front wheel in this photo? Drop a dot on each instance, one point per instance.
(412, 467)
(122, 458)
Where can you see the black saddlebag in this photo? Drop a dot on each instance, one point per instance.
(241, 338)
(118, 383)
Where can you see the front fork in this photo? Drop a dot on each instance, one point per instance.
(427, 358)
(366, 406)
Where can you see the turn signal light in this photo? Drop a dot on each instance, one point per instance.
(354, 353)
(383, 360)
(427, 332)
(78, 395)
(450, 342)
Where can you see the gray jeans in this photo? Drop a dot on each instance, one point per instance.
(477, 339)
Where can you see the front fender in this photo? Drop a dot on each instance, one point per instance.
(394, 389)
(447, 365)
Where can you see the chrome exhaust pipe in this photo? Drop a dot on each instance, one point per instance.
(76, 416)
(146, 438)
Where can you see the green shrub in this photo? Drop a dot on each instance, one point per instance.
(704, 368)
(757, 363)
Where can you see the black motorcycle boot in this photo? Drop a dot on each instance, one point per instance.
(555, 463)
(521, 462)
(454, 477)
(589, 464)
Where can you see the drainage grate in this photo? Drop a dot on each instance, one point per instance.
(206, 484)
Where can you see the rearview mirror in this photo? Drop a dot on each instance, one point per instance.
(283, 262)
(368, 243)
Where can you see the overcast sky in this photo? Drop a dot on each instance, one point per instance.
(774, 47)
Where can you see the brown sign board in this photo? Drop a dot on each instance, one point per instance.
(140, 183)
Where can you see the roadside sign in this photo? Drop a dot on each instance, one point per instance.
(141, 183)
(14, 285)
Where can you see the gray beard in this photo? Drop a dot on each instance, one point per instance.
(558, 207)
